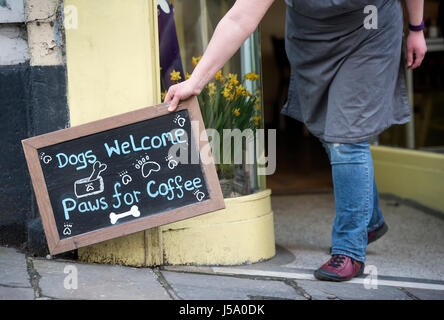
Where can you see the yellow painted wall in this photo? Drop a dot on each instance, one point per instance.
(112, 58)
(113, 67)
(410, 174)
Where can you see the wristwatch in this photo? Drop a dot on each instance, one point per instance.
(419, 27)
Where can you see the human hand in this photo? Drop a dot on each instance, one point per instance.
(416, 49)
(181, 91)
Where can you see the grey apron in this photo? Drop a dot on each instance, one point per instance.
(347, 81)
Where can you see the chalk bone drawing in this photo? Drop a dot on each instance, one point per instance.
(91, 185)
(134, 211)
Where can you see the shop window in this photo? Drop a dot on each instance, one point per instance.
(426, 91)
(232, 100)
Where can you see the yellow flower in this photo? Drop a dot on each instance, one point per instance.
(257, 107)
(175, 75)
(236, 112)
(227, 92)
(233, 78)
(187, 76)
(163, 95)
(240, 90)
(251, 76)
(212, 88)
(256, 118)
(195, 60)
(219, 76)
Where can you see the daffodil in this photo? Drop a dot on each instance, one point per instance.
(211, 88)
(233, 79)
(219, 76)
(236, 112)
(175, 75)
(187, 76)
(257, 107)
(240, 90)
(226, 92)
(163, 95)
(251, 76)
(195, 60)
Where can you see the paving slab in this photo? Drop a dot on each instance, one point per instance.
(14, 278)
(191, 286)
(12, 293)
(423, 294)
(97, 282)
(324, 290)
(13, 268)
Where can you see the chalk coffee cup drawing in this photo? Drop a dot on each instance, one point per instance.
(93, 184)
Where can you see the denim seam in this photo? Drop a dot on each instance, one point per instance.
(367, 220)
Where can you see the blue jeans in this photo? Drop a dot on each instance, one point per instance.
(356, 197)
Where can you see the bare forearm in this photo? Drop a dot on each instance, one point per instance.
(415, 10)
(232, 30)
(226, 40)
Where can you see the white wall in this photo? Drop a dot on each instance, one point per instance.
(14, 47)
(12, 12)
(13, 43)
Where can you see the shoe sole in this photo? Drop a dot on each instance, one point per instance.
(378, 234)
(323, 277)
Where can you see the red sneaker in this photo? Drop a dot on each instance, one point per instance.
(339, 268)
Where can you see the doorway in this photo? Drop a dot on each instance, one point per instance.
(302, 166)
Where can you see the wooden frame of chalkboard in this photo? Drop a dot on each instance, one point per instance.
(57, 242)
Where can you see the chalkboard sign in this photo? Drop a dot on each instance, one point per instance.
(123, 174)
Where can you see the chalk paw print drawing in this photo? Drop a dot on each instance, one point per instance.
(178, 119)
(126, 178)
(146, 166)
(45, 158)
(172, 163)
(199, 195)
(91, 185)
(67, 229)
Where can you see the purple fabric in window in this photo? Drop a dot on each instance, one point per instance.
(168, 47)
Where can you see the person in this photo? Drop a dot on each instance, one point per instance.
(347, 85)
